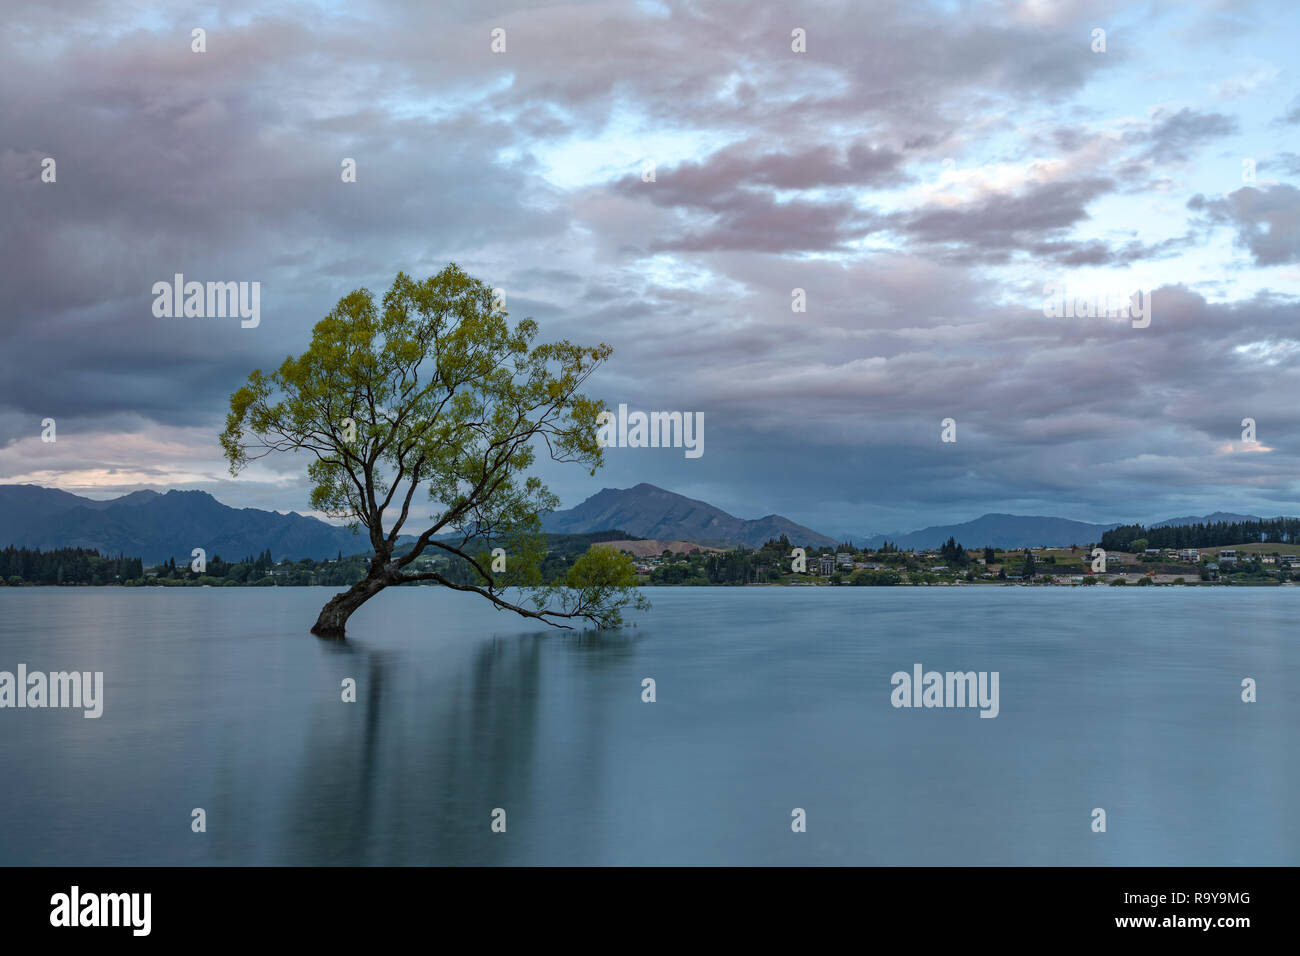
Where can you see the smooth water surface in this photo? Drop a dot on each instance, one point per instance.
(768, 699)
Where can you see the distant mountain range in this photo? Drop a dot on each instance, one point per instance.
(998, 531)
(650, 512)
(1024, 531)
(155, 526)
(1218, 517)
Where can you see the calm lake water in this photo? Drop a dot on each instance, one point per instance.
(767, 699)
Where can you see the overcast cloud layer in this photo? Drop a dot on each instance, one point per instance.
(921, 172)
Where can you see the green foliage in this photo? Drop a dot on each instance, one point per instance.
(953, 554)
(676, 572)
(768, 564)
(599, 585)
(883, 578)
(445, 398)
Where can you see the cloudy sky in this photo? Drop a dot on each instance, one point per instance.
(921, 171)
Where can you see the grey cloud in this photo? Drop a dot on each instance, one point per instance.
(1174, 137)
(734, 189)
(991, 229)
(746, 165)
(226, 166)
(1267, 220)
(1292, 115)
(1288, 163)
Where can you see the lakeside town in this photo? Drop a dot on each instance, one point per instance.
(1067, 566)
(686, 564)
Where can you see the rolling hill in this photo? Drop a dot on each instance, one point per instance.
(650, 512)
(998, 531)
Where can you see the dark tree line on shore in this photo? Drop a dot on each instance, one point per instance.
(260, 571)
(1218, 534)
(65, 566)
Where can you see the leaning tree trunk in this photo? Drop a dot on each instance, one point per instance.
(334, 615)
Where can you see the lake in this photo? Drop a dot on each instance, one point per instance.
(767, 700)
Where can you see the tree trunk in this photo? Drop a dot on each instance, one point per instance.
(334, 615)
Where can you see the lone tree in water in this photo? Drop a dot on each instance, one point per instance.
(437, 391)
